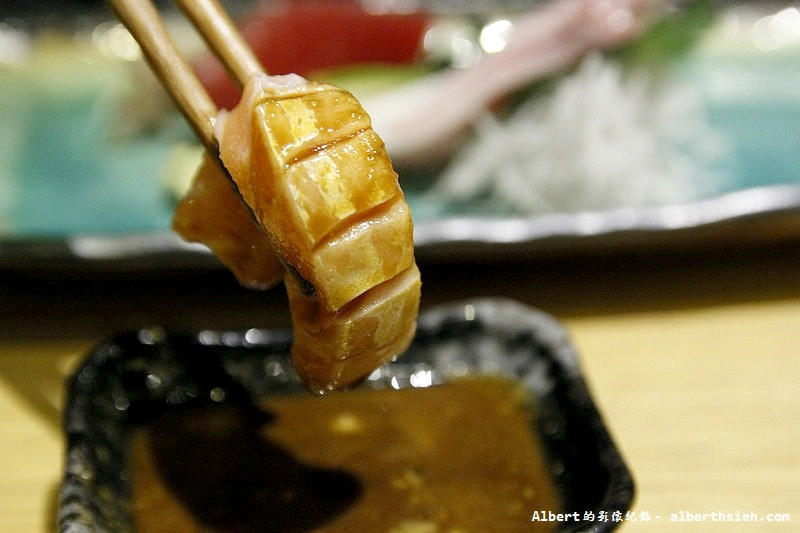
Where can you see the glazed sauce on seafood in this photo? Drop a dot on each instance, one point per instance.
(460, 457)
(321, 208)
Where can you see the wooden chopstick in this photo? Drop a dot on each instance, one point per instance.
(222, 37)
(144, 22)
(215, 26)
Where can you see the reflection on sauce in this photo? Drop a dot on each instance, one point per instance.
(454, 458)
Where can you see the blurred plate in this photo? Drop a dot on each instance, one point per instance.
(747, 217)
(110, 211)
(138, 375)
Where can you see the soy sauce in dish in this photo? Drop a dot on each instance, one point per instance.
(459, 457)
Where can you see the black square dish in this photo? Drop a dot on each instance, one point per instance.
(138, 375)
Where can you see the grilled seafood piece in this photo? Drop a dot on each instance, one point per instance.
(212, 213)
(322, 189)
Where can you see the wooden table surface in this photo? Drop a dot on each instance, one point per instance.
(693, 358)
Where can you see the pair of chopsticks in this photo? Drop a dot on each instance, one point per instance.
(144, 22)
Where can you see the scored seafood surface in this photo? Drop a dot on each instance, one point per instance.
(322, 193)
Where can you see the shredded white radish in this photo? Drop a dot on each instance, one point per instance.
(603, 138)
